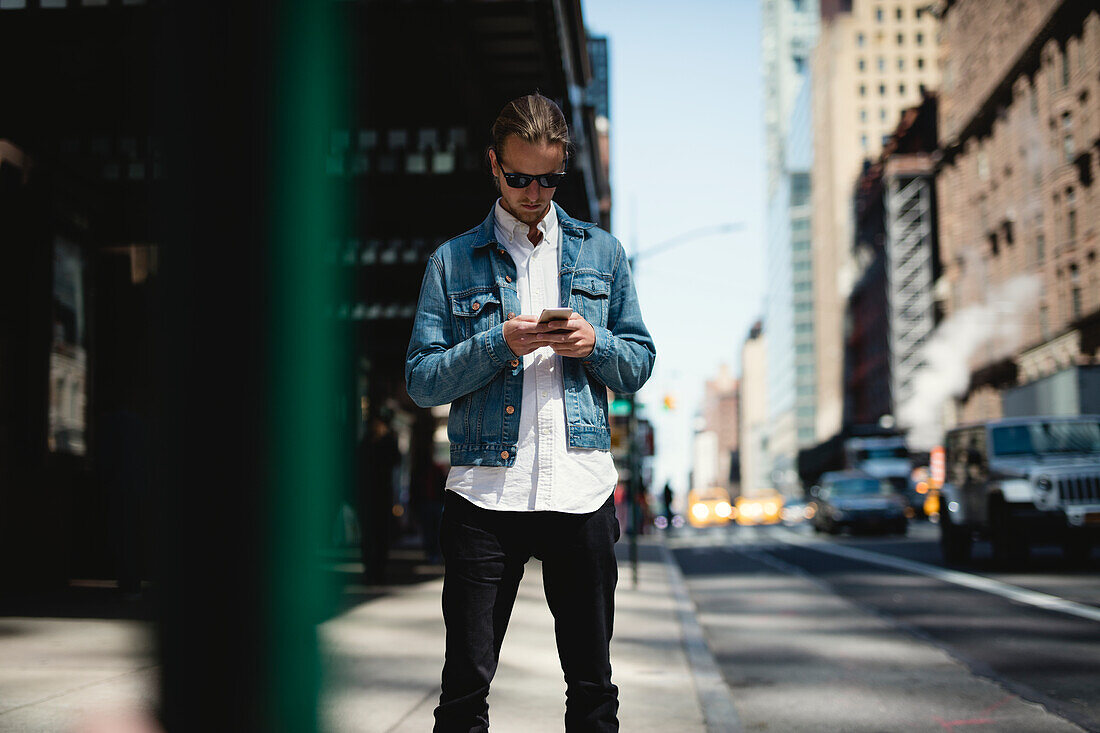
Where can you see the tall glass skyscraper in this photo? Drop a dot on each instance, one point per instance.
(789, 34)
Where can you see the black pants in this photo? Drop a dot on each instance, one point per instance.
(484, 552)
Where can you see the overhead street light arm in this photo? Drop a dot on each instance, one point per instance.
(686, 237)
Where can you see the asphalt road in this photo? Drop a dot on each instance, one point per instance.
(818, 633)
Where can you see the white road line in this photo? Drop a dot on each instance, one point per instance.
(977, 582)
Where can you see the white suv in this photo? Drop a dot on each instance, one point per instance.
(1019, 482)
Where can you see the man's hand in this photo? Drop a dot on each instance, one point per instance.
(578, 339)
(574, 337)
(525, 334)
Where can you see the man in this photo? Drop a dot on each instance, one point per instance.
(531, 472)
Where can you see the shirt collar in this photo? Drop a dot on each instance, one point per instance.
(508, 224)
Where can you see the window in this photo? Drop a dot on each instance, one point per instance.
(800, 64)
(862, 65)
(1071, 225)
(897, 13)
(859, 40)
(863, 115)
(882, 114)
(1034, 101)
(920, 62)
(901, 39)
(1065, 68)
(1067, 137)
(882, 90)
(863, 90)
(901, 64)
(881, 63)
(919, 39)
(878, 14)
(1044, 321)
(885, 139)
(800, 189)
(1040, 248)
(901, 89)
(920, 12)
(863, 141)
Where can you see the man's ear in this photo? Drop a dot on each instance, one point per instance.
(493, 162)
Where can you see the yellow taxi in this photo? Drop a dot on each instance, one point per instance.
(762, 507)
(709, 507)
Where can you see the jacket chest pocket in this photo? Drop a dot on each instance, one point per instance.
(475, 311)
(589, 297)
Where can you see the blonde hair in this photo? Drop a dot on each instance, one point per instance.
(533, 119)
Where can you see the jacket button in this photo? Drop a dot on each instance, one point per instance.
(476, 306)
(509, 409)
(504, 455)
(500, 251)
(511, 315)
(515, 362)
(507, 278)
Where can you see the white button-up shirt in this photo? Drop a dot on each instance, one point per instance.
(547, 474)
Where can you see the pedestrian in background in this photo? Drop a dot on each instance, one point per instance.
(531, 469)
(379, 458)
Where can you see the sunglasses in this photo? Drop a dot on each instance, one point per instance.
(523, 180)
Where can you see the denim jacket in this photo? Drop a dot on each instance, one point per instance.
(457, 353)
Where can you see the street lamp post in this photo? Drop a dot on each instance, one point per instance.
(634, 458)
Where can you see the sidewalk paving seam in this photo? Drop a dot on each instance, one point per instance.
(79, 688)
(397, 726)
(715, 698)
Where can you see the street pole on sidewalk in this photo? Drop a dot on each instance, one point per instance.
(249, 358)
(634, 493)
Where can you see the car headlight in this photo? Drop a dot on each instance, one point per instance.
(723, 509)
(771, 507)
(700, 511)
(1044, 484)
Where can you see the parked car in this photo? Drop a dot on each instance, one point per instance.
(857, 501)
(709, 507)
(1019, 482)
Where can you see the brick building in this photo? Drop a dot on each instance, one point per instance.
(1018, 205)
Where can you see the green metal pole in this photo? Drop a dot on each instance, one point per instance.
(306, 357)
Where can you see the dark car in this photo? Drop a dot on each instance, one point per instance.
(858, 501)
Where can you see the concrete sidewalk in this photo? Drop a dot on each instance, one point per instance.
(385, 659)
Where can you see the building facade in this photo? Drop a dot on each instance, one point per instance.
(892, 308)
(1018, 201)
(872, 60)
(721, 416)
(789, 34)
(788, 316)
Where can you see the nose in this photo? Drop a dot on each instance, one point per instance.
(533, 189)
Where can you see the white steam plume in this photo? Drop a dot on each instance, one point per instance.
(994, 326)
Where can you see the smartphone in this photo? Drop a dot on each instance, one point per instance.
(555, 314)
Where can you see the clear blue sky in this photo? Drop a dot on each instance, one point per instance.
(687, 138)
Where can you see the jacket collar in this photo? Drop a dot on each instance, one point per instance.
(486, 232)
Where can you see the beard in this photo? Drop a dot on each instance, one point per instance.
(525, 215)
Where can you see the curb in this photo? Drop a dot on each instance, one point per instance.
(715, 698)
